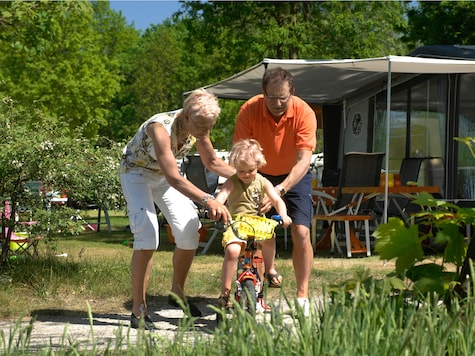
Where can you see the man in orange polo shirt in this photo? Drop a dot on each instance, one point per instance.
(285, 126)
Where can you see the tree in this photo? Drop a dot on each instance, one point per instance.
(120, 43)
(234, 35)
(223, 38)
(441, 22)
(51, 56)
(160, 71)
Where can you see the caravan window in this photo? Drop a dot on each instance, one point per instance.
(417, 121)
(466, 162)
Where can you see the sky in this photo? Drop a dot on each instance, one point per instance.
(145, 12)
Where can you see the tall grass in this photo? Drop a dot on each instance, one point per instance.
(368, 324)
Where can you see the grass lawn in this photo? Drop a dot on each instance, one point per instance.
(94, 268)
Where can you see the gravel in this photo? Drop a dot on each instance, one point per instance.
(57, 332)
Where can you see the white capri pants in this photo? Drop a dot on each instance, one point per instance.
(141, 190)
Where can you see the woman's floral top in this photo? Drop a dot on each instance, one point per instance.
(139, 152)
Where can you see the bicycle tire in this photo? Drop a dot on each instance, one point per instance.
(249, 297)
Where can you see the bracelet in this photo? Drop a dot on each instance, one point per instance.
(206, 198)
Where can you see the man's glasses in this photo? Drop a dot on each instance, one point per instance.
(282, 99)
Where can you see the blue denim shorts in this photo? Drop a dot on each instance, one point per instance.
(298, 200)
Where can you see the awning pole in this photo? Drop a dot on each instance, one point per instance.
(386, 168)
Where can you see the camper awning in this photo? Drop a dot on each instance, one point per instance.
(331, 81)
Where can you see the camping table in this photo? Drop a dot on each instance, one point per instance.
(365, 193)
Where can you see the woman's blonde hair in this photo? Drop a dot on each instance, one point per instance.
(247, 152)
(202, 107)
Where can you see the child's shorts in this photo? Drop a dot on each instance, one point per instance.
(229, 238)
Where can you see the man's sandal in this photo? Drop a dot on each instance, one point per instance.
(274, 279)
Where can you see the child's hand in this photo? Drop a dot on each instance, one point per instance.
(286, 220)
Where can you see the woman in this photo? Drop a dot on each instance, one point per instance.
(149, 175)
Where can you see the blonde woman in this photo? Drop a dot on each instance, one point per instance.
(150, 175)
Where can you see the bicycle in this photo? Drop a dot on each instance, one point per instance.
(250, 229)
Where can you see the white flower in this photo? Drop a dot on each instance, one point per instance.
(17, 164)
(46, 146)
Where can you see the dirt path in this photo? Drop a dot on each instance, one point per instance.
(59, 331)
(56, 331)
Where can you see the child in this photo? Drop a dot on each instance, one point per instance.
(244, 192)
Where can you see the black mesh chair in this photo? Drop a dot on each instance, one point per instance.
(410, 168)
(408, 172)
(425, 171)
(195, 171)
(359, 169)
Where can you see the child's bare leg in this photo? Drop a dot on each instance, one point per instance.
(231, 255)
(260, 266)
(268, 253)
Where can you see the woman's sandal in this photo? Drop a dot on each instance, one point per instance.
(224, 302)
(274, 279)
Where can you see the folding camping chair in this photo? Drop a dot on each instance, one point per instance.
(22, 243)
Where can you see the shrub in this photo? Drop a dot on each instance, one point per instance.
(36, 148)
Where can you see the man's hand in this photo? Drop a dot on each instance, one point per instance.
(265, 206)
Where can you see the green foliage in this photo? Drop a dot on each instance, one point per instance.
(79, 61)
(34, 148)
(441, 22)
(375, 326)
(119, 43)
(53, 56)
(236, 35)
(158, 71)
(368, 320)
(219, 39)
(469, 142)
(439, 221)
(394, 240)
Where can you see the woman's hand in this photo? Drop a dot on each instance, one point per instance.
(217, 211)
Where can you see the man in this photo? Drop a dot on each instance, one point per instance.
(285, 126)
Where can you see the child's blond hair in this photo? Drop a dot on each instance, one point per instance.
(247, 152)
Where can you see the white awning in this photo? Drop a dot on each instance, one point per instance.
(332, 81)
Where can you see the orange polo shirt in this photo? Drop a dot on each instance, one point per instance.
(280, 141)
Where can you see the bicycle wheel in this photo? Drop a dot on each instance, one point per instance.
(249, 296)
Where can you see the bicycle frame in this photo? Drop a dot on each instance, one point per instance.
(249, 283)
(248, 270)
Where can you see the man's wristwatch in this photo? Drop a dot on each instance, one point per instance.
(280, 189)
